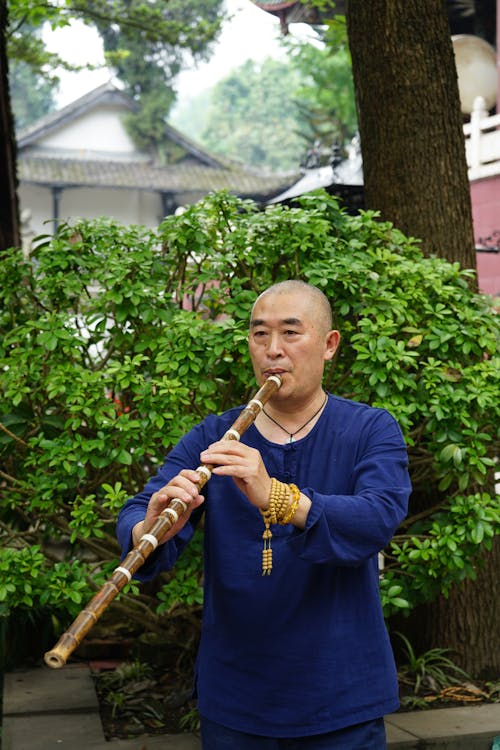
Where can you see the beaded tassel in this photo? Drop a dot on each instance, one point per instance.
(280, 510)
(267, 553)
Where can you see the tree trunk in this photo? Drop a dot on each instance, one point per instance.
(468, 621)
(414, 164)
(415, 174)
(10, 235)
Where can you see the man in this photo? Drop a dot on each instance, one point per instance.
(300, 657)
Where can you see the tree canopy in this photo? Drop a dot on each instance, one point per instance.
(32, 94)
(146, 44)
(115, 340)
(252, 116)
(325, 96)
(269, 114)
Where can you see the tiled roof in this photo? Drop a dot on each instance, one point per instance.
(272, 6)
(193, 170)
(184, 177)
(105, 94)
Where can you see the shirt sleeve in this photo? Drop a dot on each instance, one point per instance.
(185, 455)
(347, 529)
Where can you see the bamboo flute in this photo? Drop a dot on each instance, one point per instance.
(72, 638)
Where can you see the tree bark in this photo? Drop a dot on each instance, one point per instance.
(415, 174)
(414, 164)
(10, 235)
(467, 622)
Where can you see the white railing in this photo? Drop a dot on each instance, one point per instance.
(482, 142)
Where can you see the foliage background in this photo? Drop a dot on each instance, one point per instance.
(115, 340)
(268, 114)
(145, 44)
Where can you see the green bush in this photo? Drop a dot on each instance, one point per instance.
(115, 340)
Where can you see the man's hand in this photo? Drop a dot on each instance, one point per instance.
(182, 487)
(245, 465)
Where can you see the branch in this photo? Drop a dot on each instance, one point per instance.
(156, 27)
(10, 534)
(418, 517)
(12, 436)
(13, 480)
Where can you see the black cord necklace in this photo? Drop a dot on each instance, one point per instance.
(291, 434)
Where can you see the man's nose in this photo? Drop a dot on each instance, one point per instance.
(275, 348)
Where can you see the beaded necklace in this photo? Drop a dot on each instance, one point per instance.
(292, 434)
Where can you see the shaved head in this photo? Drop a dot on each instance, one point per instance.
(317, 301)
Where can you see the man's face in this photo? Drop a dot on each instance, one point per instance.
(288, 337)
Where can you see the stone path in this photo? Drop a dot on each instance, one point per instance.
(45, 709)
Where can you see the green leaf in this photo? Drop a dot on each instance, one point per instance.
(477, 534)
(124, 457)
(400, 603)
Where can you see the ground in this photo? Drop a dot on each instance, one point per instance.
(146, 686)
(135, 699)
(144, 681)
(144, 697)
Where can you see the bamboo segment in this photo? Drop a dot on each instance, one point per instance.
(72, 638)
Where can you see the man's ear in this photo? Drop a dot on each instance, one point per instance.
(332, 344)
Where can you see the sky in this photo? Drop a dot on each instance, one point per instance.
(250, 34)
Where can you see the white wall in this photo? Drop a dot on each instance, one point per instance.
(35, 205)
(126, 206)
(100, 130)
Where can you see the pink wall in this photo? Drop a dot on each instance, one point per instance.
(488, 272)
(485, 197)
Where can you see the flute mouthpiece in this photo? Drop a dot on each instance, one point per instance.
(276, 379)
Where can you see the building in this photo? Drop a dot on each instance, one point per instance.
(81, 162)
(344, 178)
(297, 11)
(482, 142)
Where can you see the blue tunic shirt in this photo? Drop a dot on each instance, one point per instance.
(304, 650)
